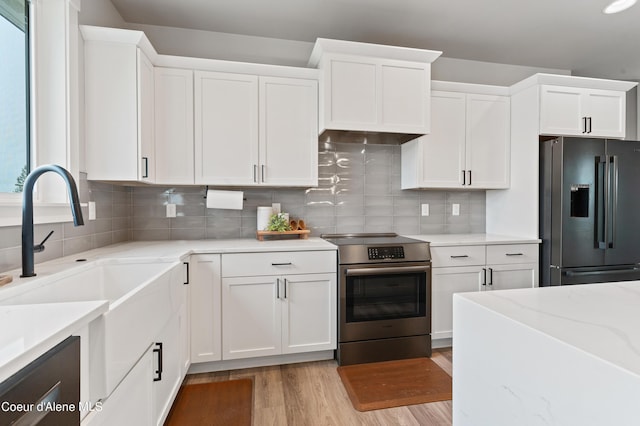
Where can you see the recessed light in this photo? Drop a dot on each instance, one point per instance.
(618, 6)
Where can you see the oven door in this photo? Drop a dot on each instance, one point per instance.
(385, 300)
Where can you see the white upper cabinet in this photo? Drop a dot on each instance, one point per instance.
(469, 143)
(288, 126)
(255, 130)
(119, 110)
(226, 128)
(189, 121)
(488, 141)
(578, 111)
(373, 88)
(438, 159)
(174, 126)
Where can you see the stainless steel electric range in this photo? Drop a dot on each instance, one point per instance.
(384, 293)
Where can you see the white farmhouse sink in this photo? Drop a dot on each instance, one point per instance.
(111, 281)
(141, 298)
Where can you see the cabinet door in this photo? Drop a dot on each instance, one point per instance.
(488, 154)
(167, 368)
(446, 282)
(131, 401)
(351, 101)
(146, 105)
(205, 308)
(503, 277)
(174, 126)
(404, 91)
(111, 111)
(308, 312)
(607, 112)
(288, 132)
(441, 154)
(226, 128)
(561, 111)
(251, 317)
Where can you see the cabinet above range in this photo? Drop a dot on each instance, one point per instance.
(373, 93)
(191, 121)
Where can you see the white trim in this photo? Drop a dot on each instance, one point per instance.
(481, 89)
(11, 213)
(572, 81)
(54, 108)
(138, 38)
(325, 46)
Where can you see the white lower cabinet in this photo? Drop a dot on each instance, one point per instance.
(269, 315)
(278, 303)
(131, 401)
(167, 368)
(205, 309)
(461, 269)
(145, 395)
(504, 277)
(445, 283)
(251, 317)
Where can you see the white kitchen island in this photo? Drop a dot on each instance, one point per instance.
(548, 356)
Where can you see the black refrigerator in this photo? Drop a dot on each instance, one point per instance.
(589, 210)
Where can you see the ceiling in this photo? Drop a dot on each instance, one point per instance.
(564, 34)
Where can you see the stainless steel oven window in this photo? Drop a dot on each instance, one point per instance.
(384, 297)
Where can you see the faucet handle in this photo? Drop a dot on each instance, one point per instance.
(40, 247)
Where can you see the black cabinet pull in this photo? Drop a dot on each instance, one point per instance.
(459, 256)
(146, 167)
(285, 288)
(281, 264)
(469, 177)
(158, 350)
(464, 177)
(589, 125)
(484, 276)
(491, 276)
(584, 125)
(277, 288)
(514, 254)
(187, 265)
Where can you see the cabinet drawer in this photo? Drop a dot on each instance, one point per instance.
(278, 263)
(512, 253)
(457, 256)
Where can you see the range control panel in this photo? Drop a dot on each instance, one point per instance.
(378, 253)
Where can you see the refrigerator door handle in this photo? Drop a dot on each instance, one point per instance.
(614, 200)
(602, 201)
(601, 272)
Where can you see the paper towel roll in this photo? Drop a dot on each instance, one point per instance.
(264, 213)
(231, 200)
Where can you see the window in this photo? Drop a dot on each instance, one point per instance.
(14, 94)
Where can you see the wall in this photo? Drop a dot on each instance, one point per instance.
(359, 191)
(112, 225)
(234, 47)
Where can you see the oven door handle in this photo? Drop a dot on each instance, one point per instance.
(390, 270)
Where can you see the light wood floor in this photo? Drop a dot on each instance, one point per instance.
(312, 394)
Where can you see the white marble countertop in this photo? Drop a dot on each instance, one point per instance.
(444, 240)
(28, 331)
(602, 320)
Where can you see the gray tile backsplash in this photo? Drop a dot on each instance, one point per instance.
(358, 191)
(112, 225)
